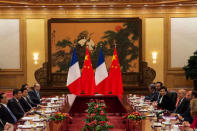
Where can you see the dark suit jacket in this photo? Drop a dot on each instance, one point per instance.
(182, 107)
(33, 96)
(152, 97)
(5, 115)
(25, 105)
(31, 102)
(165, 103)
(2, 124)
(187, 116)
(16, 110)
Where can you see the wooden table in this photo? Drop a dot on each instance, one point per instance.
(146, 124)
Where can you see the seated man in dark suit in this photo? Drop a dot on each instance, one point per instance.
(186, 116)
(153, 93)
(158, 85)
(182, 103)
(24, 101)
(15, 105)
(6, 114)
(35, 95)
(164, 101)
(28, 97)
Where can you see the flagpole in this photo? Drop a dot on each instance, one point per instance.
(115, 44)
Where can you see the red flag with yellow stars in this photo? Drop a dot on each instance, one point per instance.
(88, 81)
(115, 77)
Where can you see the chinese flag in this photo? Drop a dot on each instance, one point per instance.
(115, 77)
(88, 81)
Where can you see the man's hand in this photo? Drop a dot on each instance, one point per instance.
(173, 114)
(186, 123)
(180, 117)
(7, 126)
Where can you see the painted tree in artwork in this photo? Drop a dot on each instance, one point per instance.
(124, 37)
(62, 57)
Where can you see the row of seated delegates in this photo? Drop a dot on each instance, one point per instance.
(189, 117)
(22, 101)
(34, 94)
(172, 101)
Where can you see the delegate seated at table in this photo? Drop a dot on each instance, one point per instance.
(164, 101)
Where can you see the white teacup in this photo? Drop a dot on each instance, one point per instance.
(37, 117)
(176, 128)
(49, 104)
(27, 123)
(48, 109)
(167, 120)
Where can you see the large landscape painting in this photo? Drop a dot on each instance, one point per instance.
(65, 34)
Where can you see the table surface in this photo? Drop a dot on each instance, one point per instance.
(128, 105)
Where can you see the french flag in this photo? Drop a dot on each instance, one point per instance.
(101, 75)
(74, 75)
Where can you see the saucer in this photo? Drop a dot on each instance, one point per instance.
(166, 123)
(157, 124)
(143, 110)
(150, 115)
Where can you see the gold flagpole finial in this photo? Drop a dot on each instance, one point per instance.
(115, 43)
(101, 45)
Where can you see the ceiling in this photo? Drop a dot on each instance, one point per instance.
(102, 3)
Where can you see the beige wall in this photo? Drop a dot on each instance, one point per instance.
(154, 42)
(155, 36)
(35, 44)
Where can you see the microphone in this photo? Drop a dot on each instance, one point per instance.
(181, 121)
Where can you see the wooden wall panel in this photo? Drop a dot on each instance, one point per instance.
(172, 78)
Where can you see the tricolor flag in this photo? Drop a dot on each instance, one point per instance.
(101, 75)
(74, 75)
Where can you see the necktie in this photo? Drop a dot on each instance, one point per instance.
(14, 118)
(20, 106)
(158, 96)
(28, 99)
(177, 102)
(28, 103)
(160, 99)
(38, 94)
